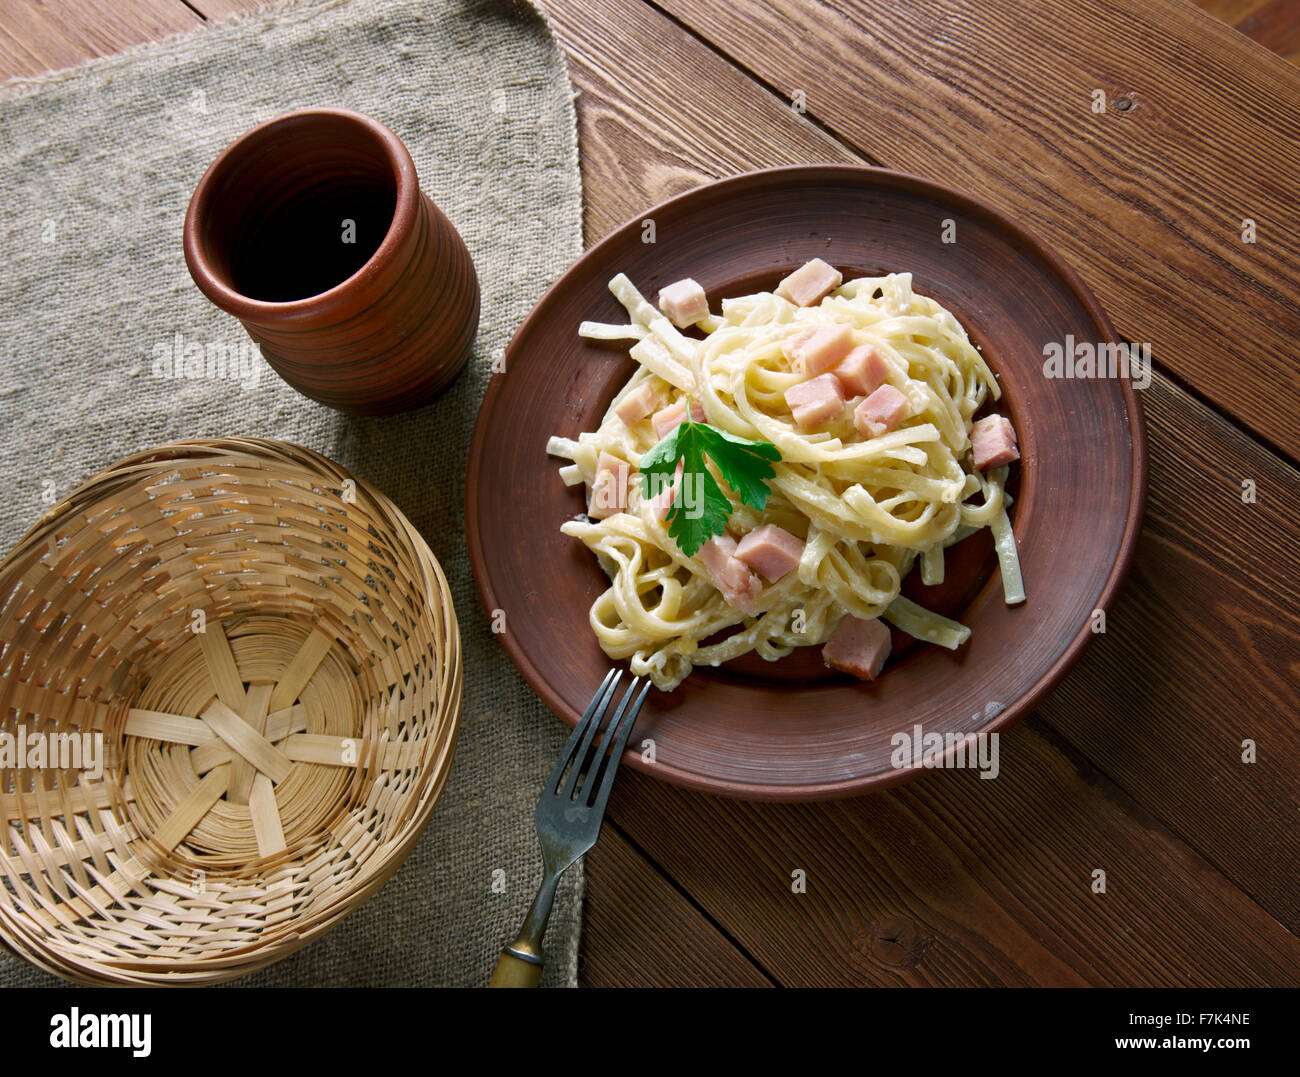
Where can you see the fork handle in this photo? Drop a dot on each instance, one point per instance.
(520, 964)
(514, 971)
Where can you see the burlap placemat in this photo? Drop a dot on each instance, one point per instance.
(98, 165)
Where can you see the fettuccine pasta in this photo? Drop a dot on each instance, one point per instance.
(866, 509)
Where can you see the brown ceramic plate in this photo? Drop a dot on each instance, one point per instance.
(791, 730)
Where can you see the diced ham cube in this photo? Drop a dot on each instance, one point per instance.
(770, 551)
(862, 371)
(684, 303)
(810, 283)
(815, 401)
(731, 576)
(715, 552)
(662, 502)
(858, 647)
(825, 347)
(670, 418)
(993, 441)
(791, 345)
(639, 403)
(880, 412)
(609, 488)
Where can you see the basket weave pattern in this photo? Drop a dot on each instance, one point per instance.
(269, 653)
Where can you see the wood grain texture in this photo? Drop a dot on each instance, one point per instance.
(1231, 11)
(958, 881)
(1202, 652)
(646, 131)
(1275, 24)
(41, 35)
(1148, 204)
(1265, 21)
(223, 9)
(639, 931)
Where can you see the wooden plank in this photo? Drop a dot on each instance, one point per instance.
(42, 35)
(223, 9)
(1230, 11)
(1274, 24)
(639, 931)
(958, 881)
(1261, 20)
(995, 98)
(659, 113)
(1202, 652)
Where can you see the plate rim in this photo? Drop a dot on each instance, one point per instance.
(1012, 713)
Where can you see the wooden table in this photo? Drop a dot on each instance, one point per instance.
(1135, 764)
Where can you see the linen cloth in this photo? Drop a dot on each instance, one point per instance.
(97, 166)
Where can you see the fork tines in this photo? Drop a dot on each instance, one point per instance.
(573, 759)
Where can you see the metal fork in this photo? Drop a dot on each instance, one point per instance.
(568, 818)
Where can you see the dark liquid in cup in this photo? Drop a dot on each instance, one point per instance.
(312, 243)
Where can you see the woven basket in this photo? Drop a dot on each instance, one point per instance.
(266, 652)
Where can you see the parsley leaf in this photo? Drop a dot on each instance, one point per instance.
(700, 507)
(745, 465)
